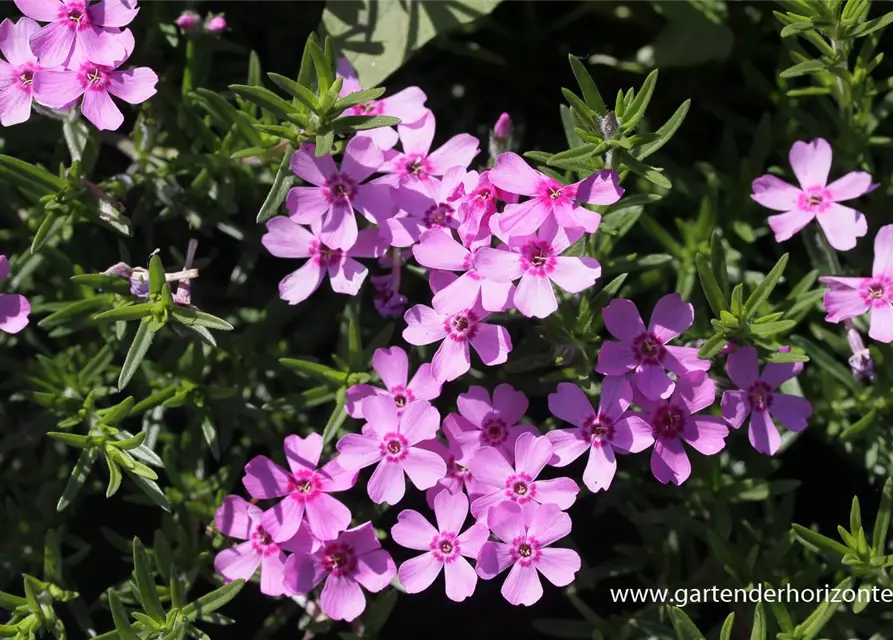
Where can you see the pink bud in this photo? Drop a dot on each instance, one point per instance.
(187, 20)
(215, 25)
(503, 127)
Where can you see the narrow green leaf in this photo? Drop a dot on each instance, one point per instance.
(114, 474)
(265, 99)
(223, 110)
(324, 74)
(191, 317)
(79, 475)
(714, 345)
(121, 619)
(31, 175)
(304, 95)
(315, 370)
(587, 86)
(796, 27)
(129, 443)
(862, 30)
(685, 628)
(75, 440)
(116, 414)
(362, 123)
(356, 357)
(770, 329)
(51, 225)
(357, 98)
(212, 601)
(827, 363)
(339, 415)
(759, 624)
(324, 142)
(152, 490)
(818, 540)
(281, 185)
(138, 349)
(74, 310)
(882, 522)
(718, 264)
(765, 288)
(726, 633)
(582, 152)
(157, 276)
(821, 615)
(145, 583)
(665, 132)
(127, 312)
(712, 290)
(636, 111)
(210, 434)
(802, 68)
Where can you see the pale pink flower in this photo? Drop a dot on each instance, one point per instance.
(438, 250)
(851, 297)
(392, 366)
(520, 484)
(476, 198)
(17, 73)
(286, 239)
(408, 105)
(305, 489)
(757, 397)
(815, 198)
(328, 206)
(238, 518)
(548, 197)
(457, 331)
(390, 441)
(485, 423)
(526, 535)
(610, 429)
(417, 161)
(673, 421)
(355, 559)
(444, 547)
(79, 30)
(14, 308)
(536, 261)
(645, 352)
(216, 25)
(97, 83)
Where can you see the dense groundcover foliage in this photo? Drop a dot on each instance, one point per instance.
(374, 319)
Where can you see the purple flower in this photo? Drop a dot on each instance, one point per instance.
(329, 205)
(519, 484)
(79, 31)
(438, 250)
(392, 366)
(17, 73)
(526, 535)
(391, 442)
(850, 297)
(305, 490)
(97, 83)
(216, 24)
(444, 547)
(355, 559)
(14, 308)
(757, 397)
(286, 239)
(612, 428)
(485, 423)
(548, 197)
(815, 199)
(536, 261)
(237, 518)
(674, 421)
(645, 351)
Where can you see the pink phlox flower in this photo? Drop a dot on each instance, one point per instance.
(477, 199)
(238, 518)
(482, 422)
(757, 397)
(417, 161)
(458, 332)
(815, 199)
(444, 547)
(673, 421)
(96, 83)
(645, 352)
(408, 105)
(548, 197)
(458, 477)
(439, 250)
(518, 483)
(14, 307)
(287, 239)
(354, 560)
(328, 206)
(851, 297)
(304, 489)
(392, 366)
(422, 205)
(536, 260)
(525, 535)
(17, 72)
(389, 441)
(604, 432)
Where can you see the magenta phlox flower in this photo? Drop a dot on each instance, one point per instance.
(287, 239)
(645, 352)
(674, 421)
(444, 547)
(525, 536)
(79, 30)
(536, 260)
(610, 429)
(17, 72)
(458, 477)
(851, 297)
(757, 397)
(439, 250)
(392, 366)
(482, 422)
(518, 482)
(389, 441)
(417, 161)
(422, 205)
(548, 197)
(354, 560)
(14, 307)
(238, 518)
(304, 489)
(477, 200)
(815, 199)
(328, 205)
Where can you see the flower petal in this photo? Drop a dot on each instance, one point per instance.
(548, 524)
(437, 250)
(669, 461)
(53, 44)
(558, 491)
(735, 407)
(133, 86)
(785, 225)
(843, 299)
(653, 382)
(386, 485)
(602, 187)
(327, 517)
(416, 137)
(632, 434)
(559, 566)
(490, 467)
(811, 162)
(671, 317)
(237, 563)
(15, 106)
(424, 468)
(743, 367)
(392, 366)
(450, 511)
(342, 599)
(695, 391)
(299, 285)
(492, 343)
(615, 358)
(451, 360)
(497, 264)
(532, 454)
(514, 175)
(302, 454)
(883, 252)
(521, 219)
(417, 574)
(264, 479)
(881, 326)
(57, 89)
(362, 158)
(309, 168)
(424, 325)
(458, 151)
(358, 451)
(460, 579)
(494, 558)
(600, 468)
(764, 436)
(231, 518)
(774, 193)
(522, 586)
(842, 226)
(535, 297)
(852, 185)
(413, 530)
(791, 411)
(285, 239)
(99, 108)
(575, 274)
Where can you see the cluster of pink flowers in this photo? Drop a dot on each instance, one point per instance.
(74, 57)
(815, 199)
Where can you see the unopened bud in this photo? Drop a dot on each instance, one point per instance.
(121, 269)
(139, 282)
(503, 127)
(188, 20)
(216, 25)
(608, 125)
(861, 363)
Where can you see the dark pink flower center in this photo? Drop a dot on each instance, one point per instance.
(394, 447)
(74, 15)
(371, 108)
(814, 200)
(445, 546)
(438, 216)
(668, 422)
(760, 395)
(526, 550)
(262, 542)
(597, 430)
(304, 486)
(402, 396)
(339, 189)
(877, 292)
(339, 559)
(415, 165)
(94, 77)
(648, 349)
(23, 76)
(462, 326)
(323, 255)
(520, 488)
(538, 258)
(493, 431)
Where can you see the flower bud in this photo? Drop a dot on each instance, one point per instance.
(188, 21)
(608, 125)
(216, 25)
(502, 130)
(139, 282)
